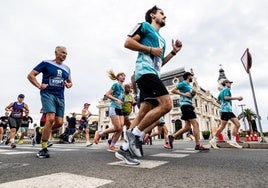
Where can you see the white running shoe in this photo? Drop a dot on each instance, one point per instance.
(70, 138)
(88, 144)
(234, 144)
(213, 143)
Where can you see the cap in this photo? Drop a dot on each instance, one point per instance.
(226, 81)
(21, 96)
(186, 74)
(86, 104)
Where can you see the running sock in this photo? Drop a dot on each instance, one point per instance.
(44, 144)
(125, 146)
(41, 130)
(142, 136)
(233, 139)
(136, 132)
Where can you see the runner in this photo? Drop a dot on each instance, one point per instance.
(56, 76)
(116, 94)
(225, 98)
(83, 126)
(26, 120)
(3, 126)
(154, 97)
(17, 109)
(186, 92)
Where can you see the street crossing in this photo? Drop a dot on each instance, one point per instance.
(60, 179)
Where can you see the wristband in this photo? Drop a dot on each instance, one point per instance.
(173, 53)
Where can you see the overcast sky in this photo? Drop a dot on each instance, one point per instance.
(94, 31)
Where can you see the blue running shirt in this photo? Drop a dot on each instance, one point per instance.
(147, 63)
(119, 93)
(54, 75)
(226, 105)
(185, 87)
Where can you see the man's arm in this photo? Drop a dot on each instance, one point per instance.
(176, 91)
(32, 78)
(132, 43)
(228, 98)
(176, 47)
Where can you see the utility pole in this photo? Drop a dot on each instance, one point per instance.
(246, 59)
(242, 105)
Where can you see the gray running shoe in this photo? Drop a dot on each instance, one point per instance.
(126, 157)
(134, 144)
(43, 153)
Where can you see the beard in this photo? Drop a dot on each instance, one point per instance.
(161, 22)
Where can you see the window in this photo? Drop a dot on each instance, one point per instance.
(196, 104)
(106, 113)
(176, 103)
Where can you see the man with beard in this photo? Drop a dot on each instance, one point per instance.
(184, 89)
(154, 97)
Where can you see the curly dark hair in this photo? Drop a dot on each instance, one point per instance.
(152, 10)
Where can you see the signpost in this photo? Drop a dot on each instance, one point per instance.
(247, 63)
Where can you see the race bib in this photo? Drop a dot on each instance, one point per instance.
(157, 63)
(16, 115)
(56, 81)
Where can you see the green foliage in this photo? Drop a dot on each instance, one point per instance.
(243, 134)
(206, 132)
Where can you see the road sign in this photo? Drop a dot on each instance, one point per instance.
(246, 60)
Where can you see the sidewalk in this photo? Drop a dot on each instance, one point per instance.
(248, 145)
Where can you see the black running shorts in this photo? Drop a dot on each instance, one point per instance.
(151, 87)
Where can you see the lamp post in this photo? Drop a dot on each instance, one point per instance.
(242, 105)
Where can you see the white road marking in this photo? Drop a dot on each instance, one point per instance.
(171, 155)
(17, 152)
(58, 180)
(144, 164)
(185, 151)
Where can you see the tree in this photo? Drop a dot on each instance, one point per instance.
(249, 115)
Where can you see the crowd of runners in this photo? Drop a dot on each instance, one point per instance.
(146, 90)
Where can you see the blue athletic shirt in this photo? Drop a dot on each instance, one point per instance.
(147, 63)
(226, 105)
(185, 87)
(119, 93)
(17, 110)
(54, 75)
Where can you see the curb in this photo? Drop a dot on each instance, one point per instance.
(248, 145)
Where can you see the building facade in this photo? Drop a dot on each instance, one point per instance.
(206, 106)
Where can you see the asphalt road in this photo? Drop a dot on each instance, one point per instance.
(74, 165)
